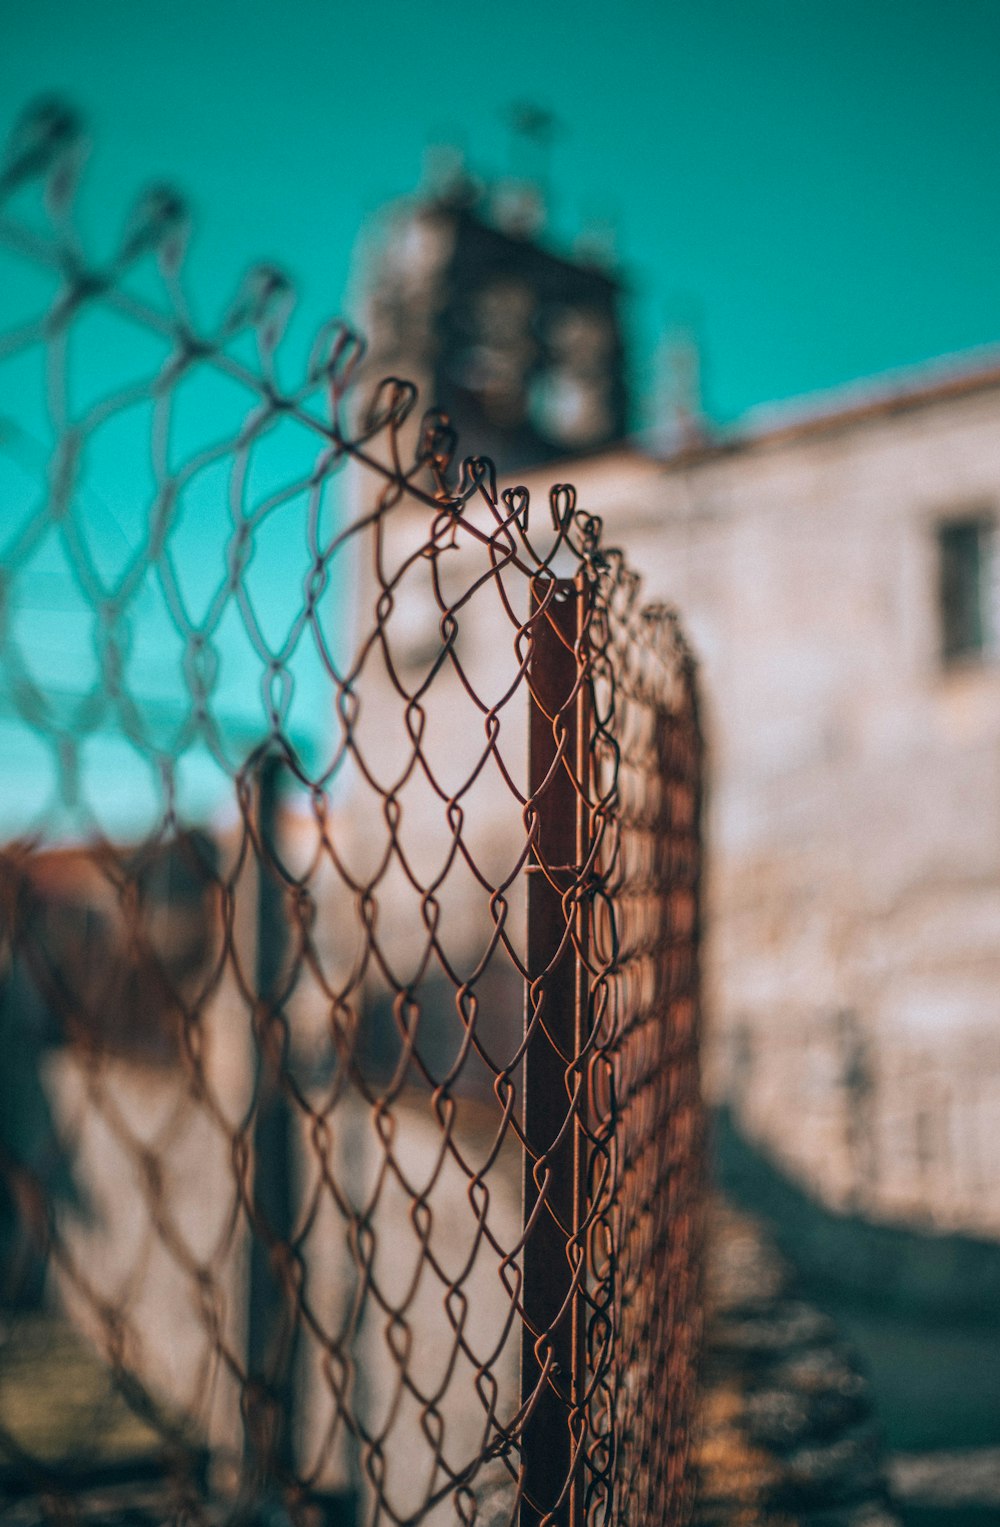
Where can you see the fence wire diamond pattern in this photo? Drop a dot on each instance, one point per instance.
(350, 1154)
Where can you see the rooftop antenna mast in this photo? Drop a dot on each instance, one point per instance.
(534, 129)
(681, 421)
(445, 170)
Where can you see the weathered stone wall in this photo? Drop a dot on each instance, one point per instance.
(853, 931)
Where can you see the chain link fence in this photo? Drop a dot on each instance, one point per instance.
(350, 1149)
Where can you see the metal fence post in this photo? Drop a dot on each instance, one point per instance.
(552, 1349)
(271, 1314)
(375, 1223)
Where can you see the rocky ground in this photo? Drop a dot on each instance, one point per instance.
(789, 1433)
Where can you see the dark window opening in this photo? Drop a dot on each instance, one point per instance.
(965, 588)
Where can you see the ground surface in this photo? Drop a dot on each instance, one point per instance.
(795, 1432)
(790, 1436)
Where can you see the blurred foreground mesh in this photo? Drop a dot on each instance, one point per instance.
(350, 1142)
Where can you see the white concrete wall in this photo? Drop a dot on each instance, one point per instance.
(854, 804)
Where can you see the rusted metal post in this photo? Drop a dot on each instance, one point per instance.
(556, 1001)
(272, 1317)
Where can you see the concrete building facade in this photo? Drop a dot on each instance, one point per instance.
(837, 572)
(853, 928)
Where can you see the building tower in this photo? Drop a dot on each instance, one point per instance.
(521, 347)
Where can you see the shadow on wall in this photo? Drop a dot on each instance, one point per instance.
(921, 1309)
(891, 1267)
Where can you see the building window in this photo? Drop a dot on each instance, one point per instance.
(967, 579)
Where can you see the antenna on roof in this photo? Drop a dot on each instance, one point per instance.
(681, 423)
(445, 175)
(533, 129)
(596, 244)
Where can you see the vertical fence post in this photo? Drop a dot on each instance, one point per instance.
(271, 1320)
(555, 1012)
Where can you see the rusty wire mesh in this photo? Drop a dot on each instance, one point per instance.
(350, 1158)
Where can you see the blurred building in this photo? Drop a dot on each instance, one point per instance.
(836, 567)
(522, 348)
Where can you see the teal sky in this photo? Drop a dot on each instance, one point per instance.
(819, 182)
(816, 185)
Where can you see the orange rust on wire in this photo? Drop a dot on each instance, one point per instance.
(357, 1166)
